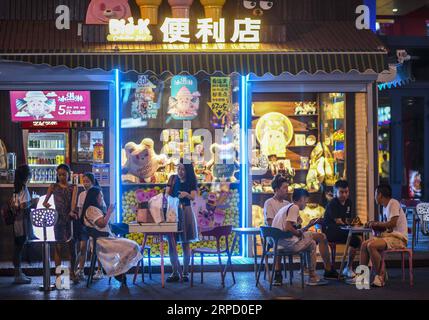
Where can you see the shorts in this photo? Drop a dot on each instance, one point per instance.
(79, 231)
(337, 235)
(305, 244)
(393, 242)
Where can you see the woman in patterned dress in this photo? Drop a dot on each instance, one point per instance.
(65, 197)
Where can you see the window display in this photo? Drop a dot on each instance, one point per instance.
(302, 137)
(180, 117)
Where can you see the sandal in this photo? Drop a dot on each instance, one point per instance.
(174, 277)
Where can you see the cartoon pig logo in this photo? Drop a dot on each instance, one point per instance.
(100, 11)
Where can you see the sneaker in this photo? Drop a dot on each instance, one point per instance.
(306, 272)
(332, 274)
(316, 282)
(278, 280)
(185, 277)
(98, 275)
(80, 274)
(348, 273)
(22, 279)
(174, 277)
(378, 282)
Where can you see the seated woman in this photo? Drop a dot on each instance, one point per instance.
(117, 255)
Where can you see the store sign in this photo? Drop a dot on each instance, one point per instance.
(220, 96)
(50, 106)
(119, 30)
(177, 30)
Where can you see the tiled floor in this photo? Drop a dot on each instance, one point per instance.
(245, 289)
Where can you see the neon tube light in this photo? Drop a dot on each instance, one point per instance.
(117, 148)
(244, 111)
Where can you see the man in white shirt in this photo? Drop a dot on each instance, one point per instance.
(280, 185)
(395, 235)
(288, 219)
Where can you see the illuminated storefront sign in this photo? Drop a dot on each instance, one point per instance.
(177, 30)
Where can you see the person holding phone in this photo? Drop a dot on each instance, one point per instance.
(288, 219)
(116, 255)
(183, 186)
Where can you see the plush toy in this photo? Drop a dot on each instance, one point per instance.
(320, 168)
(274, 143)
(100, 11)
(223, 164)
(142, 162)
(3, 156)
(185, 105)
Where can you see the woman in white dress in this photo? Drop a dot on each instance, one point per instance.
(117, 255)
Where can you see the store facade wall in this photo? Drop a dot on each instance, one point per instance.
(25, 77)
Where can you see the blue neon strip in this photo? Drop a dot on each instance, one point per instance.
(117, 149)
(244, 126)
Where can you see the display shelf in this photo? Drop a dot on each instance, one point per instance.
(295, 147)
(44, 165)
(165, 184)
(302, 115)
(46, 149)
(7, 185)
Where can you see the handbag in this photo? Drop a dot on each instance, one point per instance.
(9, 212)
(155, 208)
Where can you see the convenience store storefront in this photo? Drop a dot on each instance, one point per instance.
(311, 104)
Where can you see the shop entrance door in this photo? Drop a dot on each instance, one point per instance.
(413, 133)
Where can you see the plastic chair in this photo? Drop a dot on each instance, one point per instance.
(94, 235)
(218, 233)
(423, 215)
(410, 262)
(46, 218)
(120, 230)
(274, 235)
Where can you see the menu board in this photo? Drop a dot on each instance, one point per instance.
(50, 106)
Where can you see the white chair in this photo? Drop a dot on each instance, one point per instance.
(423, 214)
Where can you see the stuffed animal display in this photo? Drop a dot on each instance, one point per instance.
(274, 142)
(142, 162)
(3, 156)
(320, 167)
(307, 108)
(223, 164)
(100, 11)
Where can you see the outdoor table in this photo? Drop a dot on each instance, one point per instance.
(352, 231)
(141, 228)
(247, 232)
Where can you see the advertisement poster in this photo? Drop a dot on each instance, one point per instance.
(89, 142)
(220, 96)
(185, 98)
(50, 105)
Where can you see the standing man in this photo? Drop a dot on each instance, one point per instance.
(395, 236)
(280, 186)
(337, 212)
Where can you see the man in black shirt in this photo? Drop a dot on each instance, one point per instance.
(337, 212)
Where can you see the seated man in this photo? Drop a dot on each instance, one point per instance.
(337, 212)
(280, 186)
(287, 219)
(395, 237)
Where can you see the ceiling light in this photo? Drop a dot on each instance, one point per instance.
(395, 10)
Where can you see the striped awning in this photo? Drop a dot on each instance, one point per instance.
(258, 63)
(311, 48)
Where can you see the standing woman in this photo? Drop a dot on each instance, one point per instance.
(22, 227)
(89, 181)
(183, 186)
(65, 195)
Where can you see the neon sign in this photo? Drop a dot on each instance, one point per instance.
(177, 30)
